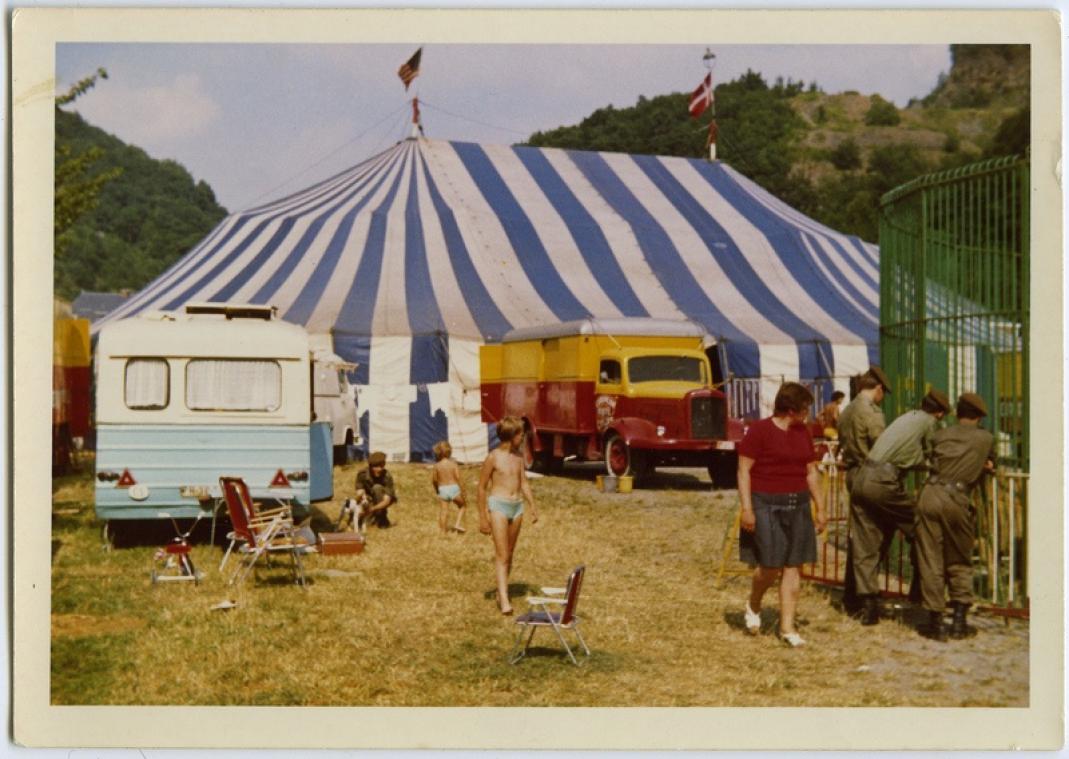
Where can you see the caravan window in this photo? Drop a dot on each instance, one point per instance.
(232, 385)
(147, 383)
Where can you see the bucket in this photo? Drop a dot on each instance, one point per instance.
(609, 483)
(599, 483)
(624, 484)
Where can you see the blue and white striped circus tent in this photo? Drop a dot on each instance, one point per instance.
(414, 258)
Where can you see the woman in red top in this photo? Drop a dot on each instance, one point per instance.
(777, 477)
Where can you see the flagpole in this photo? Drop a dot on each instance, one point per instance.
(709, 59)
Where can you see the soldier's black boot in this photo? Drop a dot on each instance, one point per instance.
(958, 627)
(934, 629)
(870, 611)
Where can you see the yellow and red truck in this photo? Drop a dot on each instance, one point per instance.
(636, 393)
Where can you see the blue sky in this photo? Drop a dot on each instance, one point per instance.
(257, 121)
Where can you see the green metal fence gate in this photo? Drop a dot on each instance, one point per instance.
(954, 280)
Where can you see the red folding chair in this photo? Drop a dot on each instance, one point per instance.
(257, 533)
(559, 621)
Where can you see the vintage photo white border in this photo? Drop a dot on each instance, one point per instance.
(36, 32)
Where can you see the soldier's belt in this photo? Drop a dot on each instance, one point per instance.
(961, 487)
(884, 465)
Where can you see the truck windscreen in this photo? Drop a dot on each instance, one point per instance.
(666, 369)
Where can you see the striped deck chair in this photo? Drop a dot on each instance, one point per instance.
(257, 534)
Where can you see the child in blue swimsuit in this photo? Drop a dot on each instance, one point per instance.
(503, 488)
(448, 486)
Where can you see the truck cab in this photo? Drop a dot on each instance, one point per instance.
(334, 401)
(656, 408)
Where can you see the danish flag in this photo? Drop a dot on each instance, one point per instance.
(702, 97)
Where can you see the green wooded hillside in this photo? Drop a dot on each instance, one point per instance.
(144, 219)
(831, 155)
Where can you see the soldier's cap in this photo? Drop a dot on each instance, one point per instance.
(939, 398)
(974, 400)
(877, 373)
(378, 458)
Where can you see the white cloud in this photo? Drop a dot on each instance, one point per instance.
(152, 117)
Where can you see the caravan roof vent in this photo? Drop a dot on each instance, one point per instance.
(233, 311)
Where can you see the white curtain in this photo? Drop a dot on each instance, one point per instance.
(233, 385)
(467, 432)
(147, 385)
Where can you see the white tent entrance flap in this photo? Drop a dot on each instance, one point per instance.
(414, 258)
(779, 364)
(850, 360)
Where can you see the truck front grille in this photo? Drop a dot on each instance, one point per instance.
(708, 418)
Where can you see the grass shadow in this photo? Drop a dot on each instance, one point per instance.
(674, 480)
(515, 589)
(892, 608)
(661, 479)
(280, 576)
(549, 651)
(319, 520)
(736, 620)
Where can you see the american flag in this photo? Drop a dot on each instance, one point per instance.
(702, 97)
(410, 69)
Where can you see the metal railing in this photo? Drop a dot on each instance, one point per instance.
(744, 395)
(1000, 578)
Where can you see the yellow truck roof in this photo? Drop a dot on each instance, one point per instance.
(621, 327)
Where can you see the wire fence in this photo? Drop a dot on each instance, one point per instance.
(954, 309)
(954, 314)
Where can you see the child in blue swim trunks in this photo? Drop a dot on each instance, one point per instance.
(503, 488)
(448, 486)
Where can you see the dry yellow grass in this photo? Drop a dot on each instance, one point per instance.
(412, 620)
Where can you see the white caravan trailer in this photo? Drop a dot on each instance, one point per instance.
(184, 398)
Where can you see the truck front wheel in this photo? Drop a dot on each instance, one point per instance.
(621, 460)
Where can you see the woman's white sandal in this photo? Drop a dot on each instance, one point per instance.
(753, 620)
(794, 640)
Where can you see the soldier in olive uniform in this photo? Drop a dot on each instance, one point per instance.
(860, 423)
(881, 505)
(946, 518)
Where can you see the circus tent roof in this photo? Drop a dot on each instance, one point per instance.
(434, 243)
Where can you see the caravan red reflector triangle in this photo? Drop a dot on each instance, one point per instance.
(280, 480)
(126, 480)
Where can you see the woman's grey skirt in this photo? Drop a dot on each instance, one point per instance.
(784, 535)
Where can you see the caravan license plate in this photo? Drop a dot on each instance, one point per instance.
(194, 491)
(725, 445)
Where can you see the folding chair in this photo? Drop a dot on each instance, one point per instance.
(240, 497)
(565, 619)
(258, 533)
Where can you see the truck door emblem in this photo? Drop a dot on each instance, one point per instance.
(605, 406)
